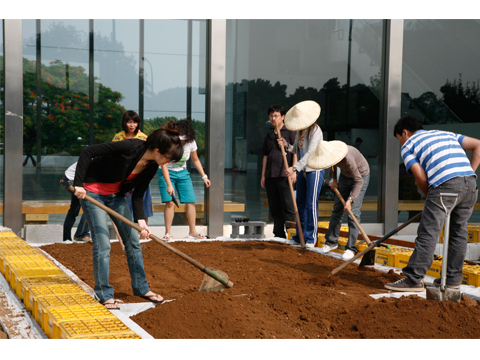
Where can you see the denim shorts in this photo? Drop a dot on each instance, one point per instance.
(181, 182)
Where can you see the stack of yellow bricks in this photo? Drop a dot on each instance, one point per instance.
(63, 309)
(473, 234)
(398, 257)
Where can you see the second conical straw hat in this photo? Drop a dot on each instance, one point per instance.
(327, 153)
(302, 115)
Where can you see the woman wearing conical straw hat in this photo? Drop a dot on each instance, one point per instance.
(302, 118)
(352, 185)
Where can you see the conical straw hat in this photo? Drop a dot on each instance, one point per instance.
(302, 115)
(327, 153)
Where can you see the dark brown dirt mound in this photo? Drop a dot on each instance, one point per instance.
(278, 292)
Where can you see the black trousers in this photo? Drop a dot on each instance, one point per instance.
(82, 228)
(280, 204)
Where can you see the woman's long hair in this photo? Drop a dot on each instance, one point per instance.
(309, 130)
(167, 141)
(186, 128)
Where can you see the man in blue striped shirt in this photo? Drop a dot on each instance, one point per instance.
(439, 163)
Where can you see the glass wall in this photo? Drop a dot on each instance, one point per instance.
(116, 55)
(174, 88)
(336, 63)
(56, 116)
(81, 75)
(2, 118)
(440, 84)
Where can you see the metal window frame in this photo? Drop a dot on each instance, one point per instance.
(91, 82)
(38, 68)
(141, 72)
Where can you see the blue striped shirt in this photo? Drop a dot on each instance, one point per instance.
(439, 153)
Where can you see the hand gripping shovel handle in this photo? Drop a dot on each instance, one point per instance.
(364, 234)
(376, 243)
(203, 268)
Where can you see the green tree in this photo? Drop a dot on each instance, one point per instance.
(65, 107)
(463, 100)
(150, 126)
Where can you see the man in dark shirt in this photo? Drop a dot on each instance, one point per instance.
(274, 180)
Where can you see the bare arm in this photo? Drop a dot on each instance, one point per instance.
(264, 167)
(420, 177)
(166, 176)
(472, 144)
(199, 167)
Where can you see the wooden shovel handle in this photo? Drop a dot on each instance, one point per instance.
(194, 262)
(376, 243)
(292, 193)
(364, 234)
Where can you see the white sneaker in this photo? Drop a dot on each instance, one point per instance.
(348, 254)
(326, 248)
(292, 243)
(310, 245)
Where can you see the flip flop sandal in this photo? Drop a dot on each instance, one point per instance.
(112, 305)
(167, 237)
(149, 298)
(200, 236)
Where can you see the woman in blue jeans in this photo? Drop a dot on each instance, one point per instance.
(106, 172)
(302, 118)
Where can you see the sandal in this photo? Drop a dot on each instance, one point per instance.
(199, 236)
(151, 298)
(167, 237)
(112, 305)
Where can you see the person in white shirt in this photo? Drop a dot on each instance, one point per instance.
(177, 177)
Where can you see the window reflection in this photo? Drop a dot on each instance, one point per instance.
(116, 70)
(440, 79)
(333, 62)
(61, 107)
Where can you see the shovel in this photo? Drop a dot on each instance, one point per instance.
(175, 201)
(297, 216)
(364, 234)
(443, 293)
(375, 244)
(369, 257)
(216, 279)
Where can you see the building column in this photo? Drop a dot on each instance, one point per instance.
(391, 110)
(13, 130)
(215, 125)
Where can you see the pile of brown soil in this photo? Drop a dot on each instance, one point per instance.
(279, 292)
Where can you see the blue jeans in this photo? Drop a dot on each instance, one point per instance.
(345, 188)
(308, 191)
(147, 202)
(432, 222)
(97, 221)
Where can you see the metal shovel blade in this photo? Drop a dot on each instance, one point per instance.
(209, 284)
(435, 293)
(368, 258)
